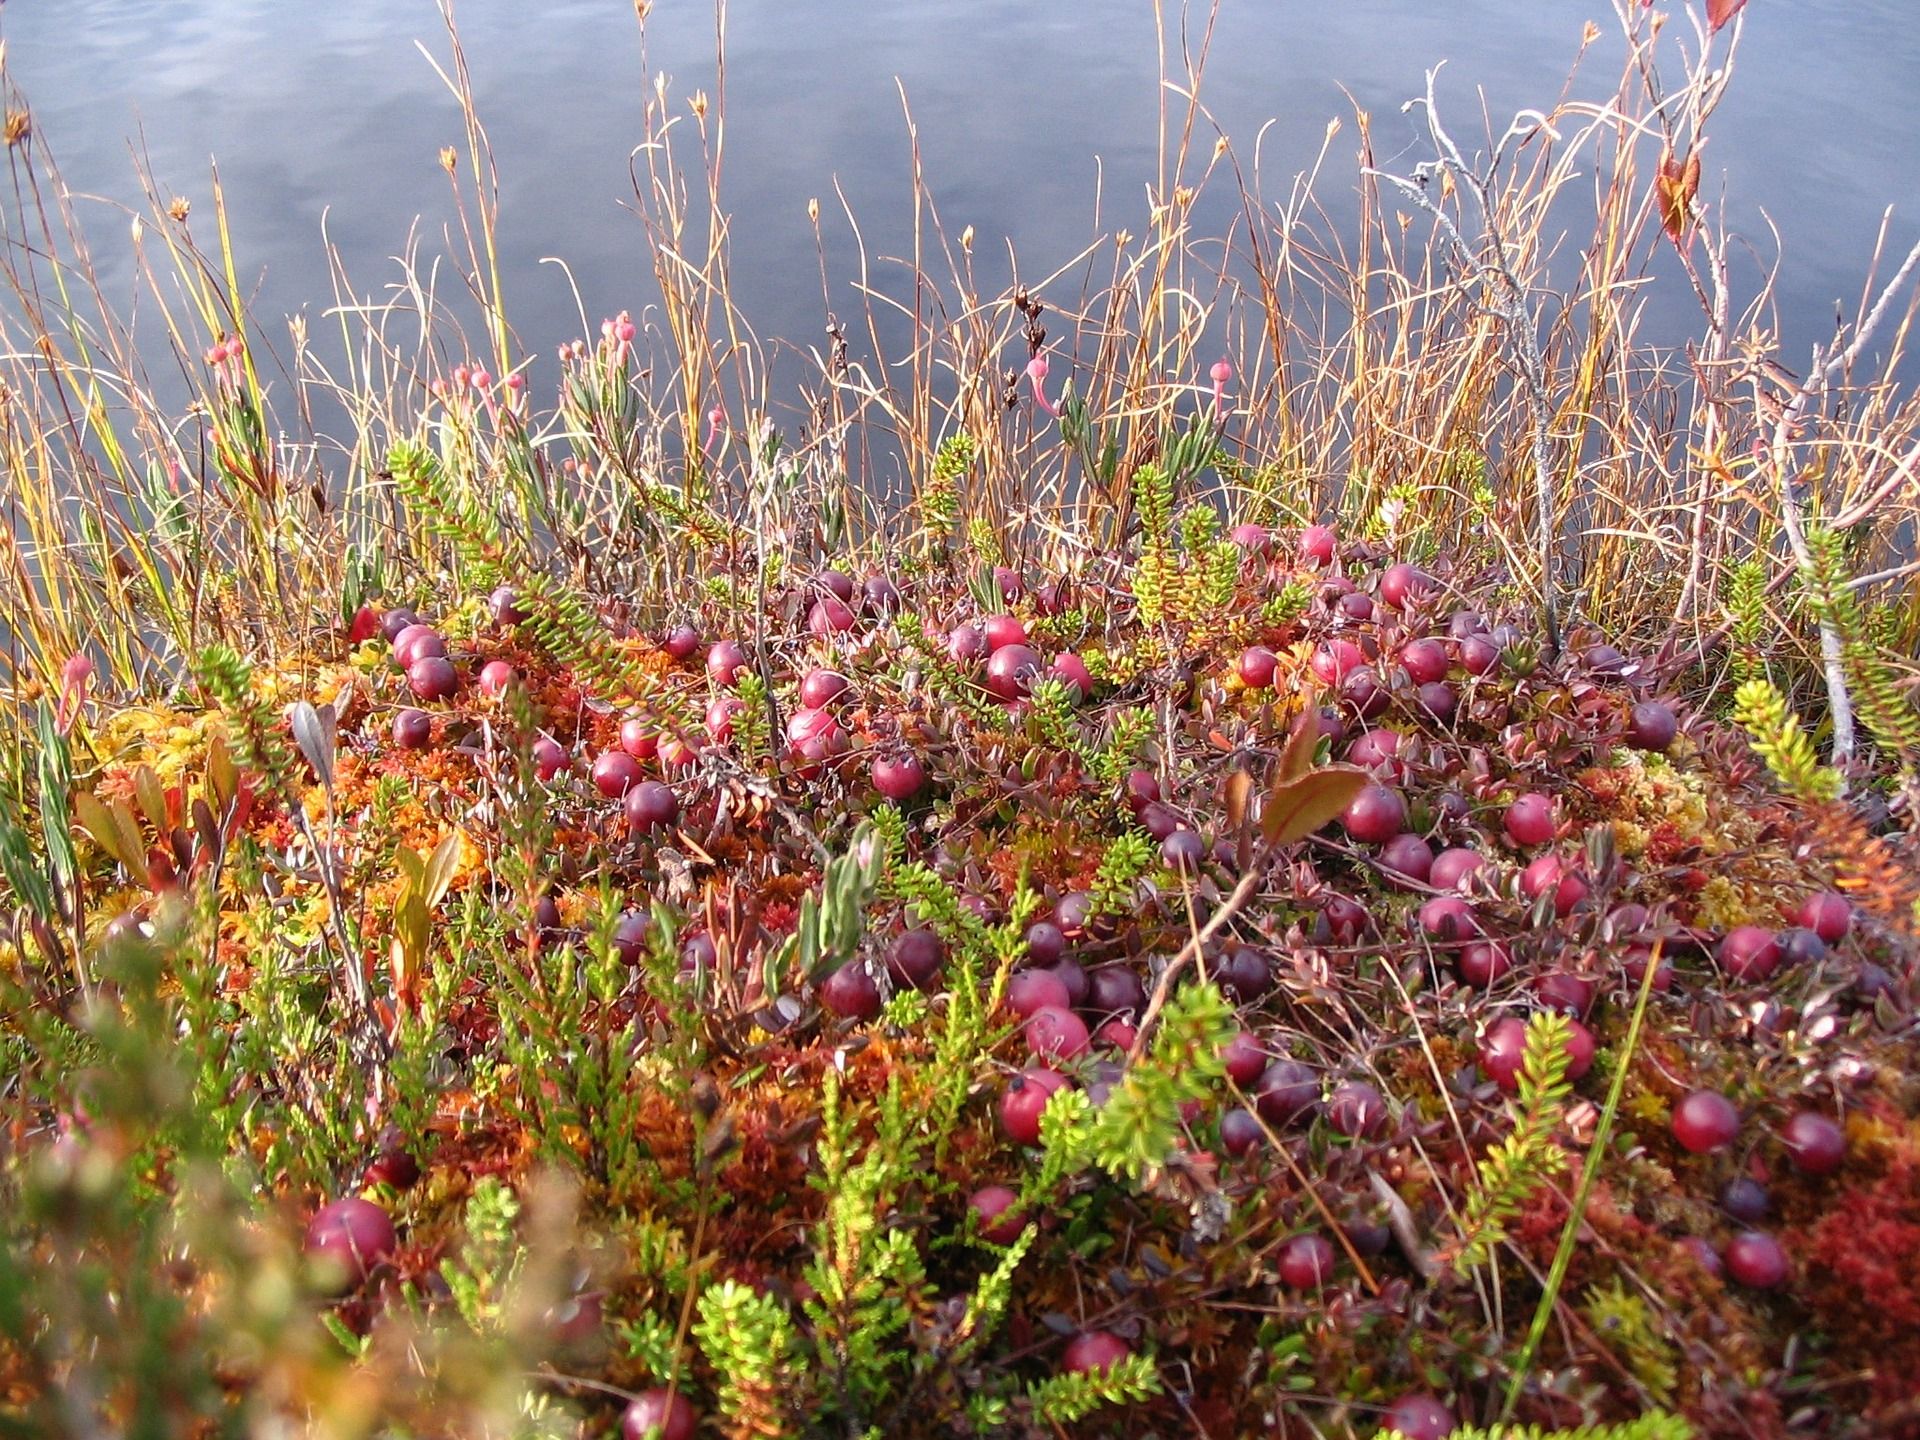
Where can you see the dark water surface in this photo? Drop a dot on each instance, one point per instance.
(314, 106)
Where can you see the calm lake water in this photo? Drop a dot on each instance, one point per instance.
(316, 109)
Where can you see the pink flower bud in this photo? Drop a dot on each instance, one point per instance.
(482, 380)
(1037, 372)
(1222, 372)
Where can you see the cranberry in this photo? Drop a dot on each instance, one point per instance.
(1438, 700)
(1073, 977)
(820, 688)
(719, 720)
(1002, 631)
(417, 642)
(630, 932)
(1285, 1091)
(915, 958)
(1703, 1254)
(1749, 953)
(432, 677)
(1755, 1259)
(659, 1415)
(1010, 670)
(1009, 582)
(1800, 946)
(1246, 974)
(1045, 942)
(495, 677)
(1355, 605)
(1452, 869)
(850, 992)
(1305, 1262)
(1053, 1033)
(1425, 661)
(1606, 661)
(1073, 671)
(349, 1238)
(614, 773)
(1551, 873)
(1317, 544)
(1116, 1034)
(1482, 963)
(1116, 989)
(1141, 789)
(1449, 919)
(836, 583)
(395, 622)
(1745, 1199)
(1183, 850)
(681, 642)
(1828, 915)
(880, 595)
(1376, 749)
(1504, 1046)
(1031, 990)
(899, 777)
(1704, 1121)
(650, 804)
(1402, 585)
(1240, 1132)
(1409, 857)
(829, 615)
(1358, 1111)
(1026, 1096)
(412, 729)
(1252, 537)
(1652, 726)
(1362, 690)
(1569, 994)
(549, 757)
(1346, 918)
(1814, 1143)
(1158, 821)
(1244, 1059)
(725, 661)
(1464, 625)
(640, 739)
(1257, 665)
(1375, 815)
(999, 1222)
(1334, 660)
(1529, 820)
(1092, 1351)
(965, 644)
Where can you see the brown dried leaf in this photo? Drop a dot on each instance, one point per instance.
(1297, 808)
(1719, 12)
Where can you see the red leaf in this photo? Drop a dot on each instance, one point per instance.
(1719, 12)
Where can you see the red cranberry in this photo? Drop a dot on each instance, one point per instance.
(850, 992)
(1419, 1417)
(1010, 670)
(1606, 661)
(1002, 631)
(1240, 1133)
(1449, 919)
(1305, 1262)
(1478, 655)
(495, 677)
(1056, 1034)
(1652, 726)
(1345, 917)
(1257, 665)
(1633, 966)
(549, 757)
(725, 661)
(1504, 1046)
(1253, 538)
(1407, 856)
(1355, 605)
(836, 583)
(349, 1238)
(820, 688)
(1009, 582)
(1073, 671)
(1745, 1199)
(395, 622)
(915, 958)
(1334, 660)
(412, 729)
(1093, 1351)
(880, 595)
(1158, 821)
(432, 677)
(829, 615)
(639, 737)
(814, 736)
(719, 720)
(1045, 942)
(1377, 748)
(1140, 790)
(1116, 989)
(1452, 869)
(1358, 1111)
(999, 1221)
(614, 773)
(1116, 1034)
(1317, 544)
(1529, 820)
(651, 804)
(1032, 990)
(1800, 946)
(899, 777)
(1482, 963)
(1704, 1121)
(1362, 691)
(417, 642)
(629, 939)
(1402, 585)
(1244, 1058)
(1246, 974)
(1549, 873)
(1828, 915)
(1285, 1091)
(966, 644)
(1026, 1096)
(1814, 1143)
(1424, 661)
(1183, 850)
(1438, 700)
(681, 642)
(1074, 978)
(1755, 1259)
(1375, 815)
(1749, 953)
(1568, 994)
(659, 1415)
